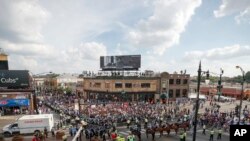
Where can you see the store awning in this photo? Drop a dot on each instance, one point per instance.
(14, 102)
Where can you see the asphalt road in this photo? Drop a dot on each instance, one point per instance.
(172, 137)
(4, 120)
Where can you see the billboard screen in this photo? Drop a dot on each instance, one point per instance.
(14, 78)
(125, 62)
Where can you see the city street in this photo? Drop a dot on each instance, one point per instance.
(172, 137)
(4, 120)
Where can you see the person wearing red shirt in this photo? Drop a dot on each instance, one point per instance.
(35, 138)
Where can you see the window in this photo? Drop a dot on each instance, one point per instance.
(171, 93)
(107, 85)
(90, 84)
(145, 85)
(118, 85)
(178, 81)
(97, 85)
(128, 85)
(185, 81)
(14, 125)
(178, 93)
(163, 84)
(171, 81)
(184, 93)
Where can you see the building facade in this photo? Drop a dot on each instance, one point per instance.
(16, 92)
(136, 88)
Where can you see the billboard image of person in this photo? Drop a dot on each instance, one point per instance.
(128, 62)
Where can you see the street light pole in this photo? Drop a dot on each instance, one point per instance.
(242, 91)
(197, 102)
(220, 86)
(198, 99)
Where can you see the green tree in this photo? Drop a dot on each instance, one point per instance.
(68, 90)
(247, 77)
(163, 96)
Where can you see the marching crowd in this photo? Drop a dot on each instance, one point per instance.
(102, 119)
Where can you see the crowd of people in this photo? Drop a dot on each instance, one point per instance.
(102, 119)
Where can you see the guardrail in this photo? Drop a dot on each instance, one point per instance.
(79, 135)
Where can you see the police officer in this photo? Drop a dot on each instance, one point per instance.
(181, 136)
(219, 134)
(211, 135)
(184, 136)
(130, 137)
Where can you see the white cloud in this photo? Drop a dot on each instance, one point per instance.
(28, 49)
(22, 20)
(22, 37)
(163, 29)
(88, 51)
(243, 17)
(214, 59)
(239, 7)
(228, 52)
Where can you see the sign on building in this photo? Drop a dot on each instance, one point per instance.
(14, 78)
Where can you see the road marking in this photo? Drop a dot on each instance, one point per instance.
(164, 133)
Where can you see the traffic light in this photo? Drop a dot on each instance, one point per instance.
(207, 74)
(219, 82)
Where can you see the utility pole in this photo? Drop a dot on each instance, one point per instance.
(219, 85)
(242, 90)
(197, 102)
(198, 99)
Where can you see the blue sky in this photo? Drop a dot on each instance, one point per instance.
(171, 35)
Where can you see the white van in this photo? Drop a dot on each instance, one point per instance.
(29, 124)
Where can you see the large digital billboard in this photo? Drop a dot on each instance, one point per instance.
(124, 62)
(14, 78)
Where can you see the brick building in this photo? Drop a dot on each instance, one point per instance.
(136, 88)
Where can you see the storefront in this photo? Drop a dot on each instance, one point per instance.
(14, 106)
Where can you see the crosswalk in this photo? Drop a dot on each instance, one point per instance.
(143, 131)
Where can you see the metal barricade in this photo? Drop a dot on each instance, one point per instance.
(79, 135)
